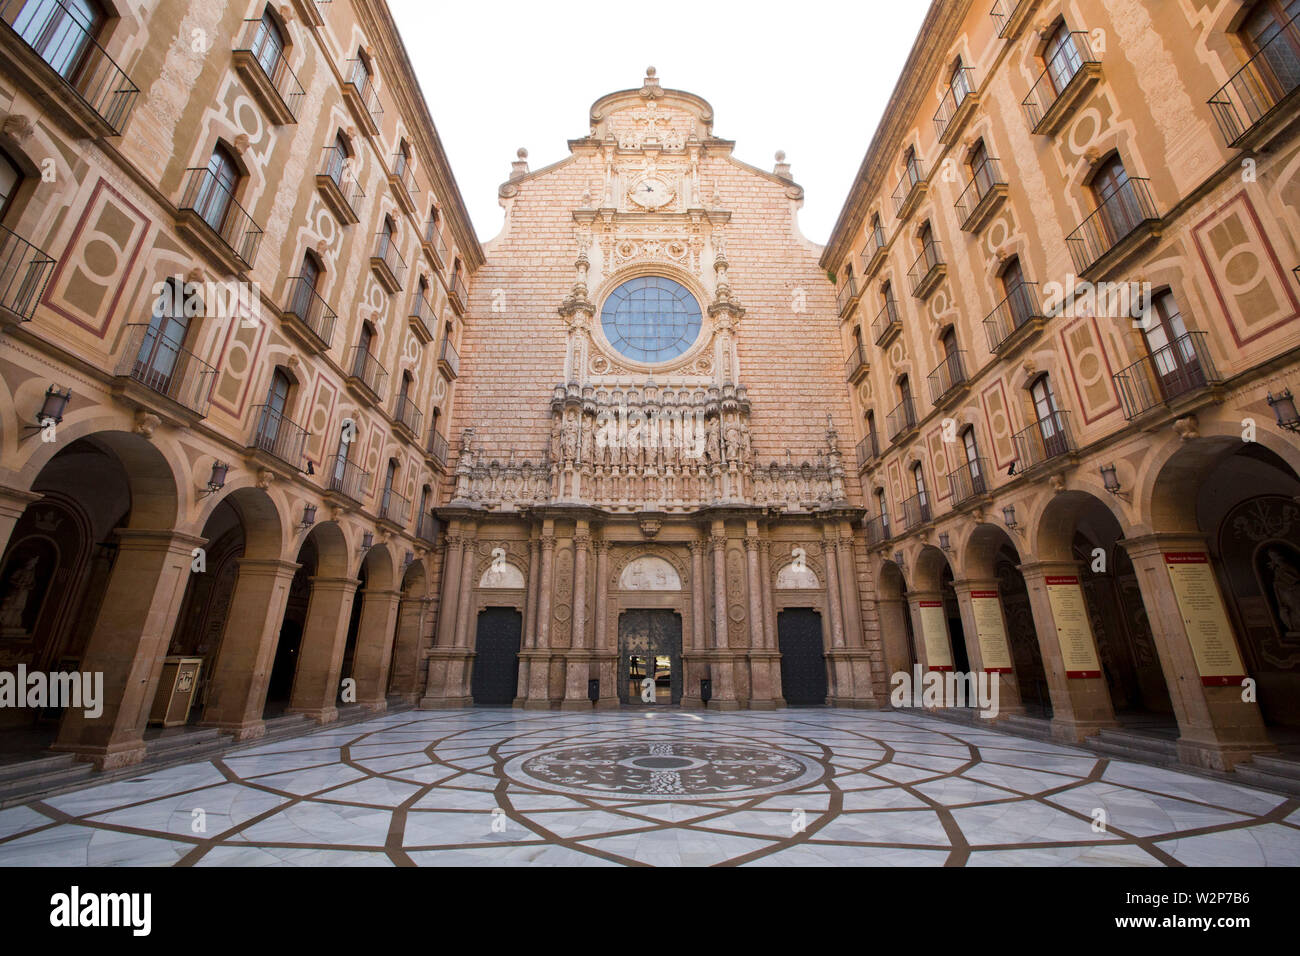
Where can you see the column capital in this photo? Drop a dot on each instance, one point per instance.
(718, 540)
(601, 546)
(696, 545)
(765, 546)
(582, 540)
(548, 542)
(751, 543)
(1156, 543)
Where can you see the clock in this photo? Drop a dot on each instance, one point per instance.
(651, 193)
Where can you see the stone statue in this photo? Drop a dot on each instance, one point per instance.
(1286, 591)
(712, 442)
(557, 447)
(570, 449)
(588, 445)
(19, 593)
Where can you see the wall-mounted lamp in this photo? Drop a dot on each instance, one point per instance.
(1110, 479)
(308, 517)
(216, 480)
(898, 558)
(1283, 406)
(945, 542)
(367, 541)
(52, 409)
(408, 560)
(1009, 518)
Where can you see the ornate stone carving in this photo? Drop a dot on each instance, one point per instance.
(145, 423)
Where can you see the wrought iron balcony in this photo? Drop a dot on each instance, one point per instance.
(886, 323)
(310, 312)
(868, 450)
(262, 62)
(426, 528)
(982, 196)
(1257, 91)
(877, 530)
(338, 187)
(1021, 309)
(928, 269)
(434, 246)
(949, 376)
(359, 91)
(847, 295)
(437, 447)
(402, 179)
(24, 273)
(278, 436)
(911, 187)
(211, 209)
(916, 511)
(58, 51)
(449, 358)
(456, 293)
(1010, 15)
(1044, 440)
(1128, 211)
(423, 320)
(956, 105)
(364, 370)
(387, 262)
(901, 420)
(873, 254)
(969, 481)
(393, 507)
(1183, 367)
(857, 364)
(162, 366)
(408, 416)
(347, 479)
(1069, 74)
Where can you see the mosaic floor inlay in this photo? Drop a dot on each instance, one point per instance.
(794, 787)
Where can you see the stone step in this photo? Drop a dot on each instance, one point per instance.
(42, 784)
(22, 769)
(1127, 745)
(1039, 728)
(1278, 772)
(181, 741)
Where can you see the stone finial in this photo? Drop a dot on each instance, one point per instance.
(519, 168)
(782, 168)
(650, 89)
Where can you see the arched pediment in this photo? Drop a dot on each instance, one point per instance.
(649, 573)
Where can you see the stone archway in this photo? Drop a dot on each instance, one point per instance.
(325, 627)
(375, 614)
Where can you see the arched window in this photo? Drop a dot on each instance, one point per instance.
(273, 412)
(1120, 210)
(10, 179)
(433, 226)
(877, 231)
(905, 391)
(888, 307)
(390, 475)
(60, 31)
(1172, 351)
(218, 189)
(970, 447)
(269, 44)
(402, 161)
(882, 508)
(305, 286)
(1013, 286)
(161, 348)
(911, 166)
(949, 342)
(436, 418)
(1062, 57)
(404, 390)
(922, 500)
(981, 169)
(346, 435)
(386, 236)
(959, 84)
(872, 440)
(336, 161)
(1051, 424)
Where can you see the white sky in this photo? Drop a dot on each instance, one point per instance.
(810, 77)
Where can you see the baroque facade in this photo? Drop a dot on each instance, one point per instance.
(282, 438)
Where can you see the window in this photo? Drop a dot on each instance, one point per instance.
(912, 168)
(367, 337)
(305, 288)
(338, 159)
(918, 479)
(404, 392)
(878, 231)
(651, 319)
(386, 237)
(959, 84)
(360, 77)
(389, 476)
(269, 44)
(10, 179)
(1269, 32)
(1120, 212)
(882, 507)
(433, 226)
(402, 160)
(1051, 424)
(157, 359)
(928, 248)
(1013, 285)
(218, 190)
(1062, 57)
(345, 449)
(949, 342)
(971, 449)
(887, 298)
(981, 169)
(277, 399)
(872, 442)
(905, 395)
(59, 31)
(1173, 355)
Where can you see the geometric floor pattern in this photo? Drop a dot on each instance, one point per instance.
(661, 788)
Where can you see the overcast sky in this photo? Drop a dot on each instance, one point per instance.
(806, 76)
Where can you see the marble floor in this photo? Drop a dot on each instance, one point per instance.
(660, 788)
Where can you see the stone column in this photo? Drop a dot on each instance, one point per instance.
(12, 505)
(320, 659)
(851, 661)
(448, 603)
(1217, 729)
(539, 668)
(1080, 704)
(412, 612)
(530, 618)
(446, 661)
(462, 665)
(841, 682)
(374, 653)
(237, 691)
(762, 680)
(577, 665)
(131, 636)
(1001, 668)
(724, 688)
(695, 644)
(769, 608)
(607, 655)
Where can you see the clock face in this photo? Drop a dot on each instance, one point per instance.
(651, 193)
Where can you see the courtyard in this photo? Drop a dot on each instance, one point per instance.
(658, 787)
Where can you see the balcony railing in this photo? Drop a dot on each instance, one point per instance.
(163, 366)
(422, 313)
(334, 164)
(913, 177)
(386, 253)
(403, 174)
(310, 310)
(278, 436)
(873, 252)
(24, 273)
(426, 528)
(257, 44)
(926, 269)
(1122, 213)
(347, 479)
(950, 374)
(969, 481)
(449, 357)
(1058, 82)
(986, 183)
(959, 91)
(408, 415)
(1180, 368)
(365, 368)
(61, 39)
(916, 511)
(1046, 439)
(393, 507)
(1261, 86)
(877, 530)
(901, 419)
(214, 205)
(432, 238)
(358, 77)
(1006, 14)
(848, 292)
(437, 446)
(857, 362)
(868, 450)
(1021, 306)
(886, 321)
(457, 291)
